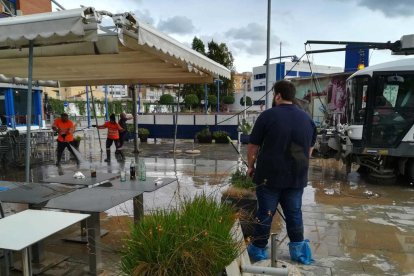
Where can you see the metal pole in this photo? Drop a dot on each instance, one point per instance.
(88, 108)
(96, 119)
(26, 262)
(218, 95)
(205, 98)
(29, 112)
(244, 100)
(176, 120)
(280, 61)
(268, 95)
(106, 104)
(133, 91)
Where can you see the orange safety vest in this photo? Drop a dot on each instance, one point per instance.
(64, 128)
(113, 130)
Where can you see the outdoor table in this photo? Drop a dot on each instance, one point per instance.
(34, 194)
(15, 235)
(149, 185)
(93, 201)
(104, 197)
(68, 179)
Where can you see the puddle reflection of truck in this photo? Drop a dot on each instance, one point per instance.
(379, 133)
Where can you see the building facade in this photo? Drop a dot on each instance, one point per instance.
(242, 81)
(24, 7)
(286, 70)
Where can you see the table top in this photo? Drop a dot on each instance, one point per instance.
(34, 193)
(68, 179)
(149, 185)
(92, 200)
(7, 185)
(23, 229)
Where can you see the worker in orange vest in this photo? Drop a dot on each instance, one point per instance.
(113, 136)
(65, 129)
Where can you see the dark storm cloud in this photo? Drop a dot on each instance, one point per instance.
(390, 8)
(250, 39)
(177, 25)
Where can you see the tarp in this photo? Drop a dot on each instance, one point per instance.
(72, 47)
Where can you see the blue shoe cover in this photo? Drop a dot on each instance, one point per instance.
(257, 253)
(3, 188)
(301, 252)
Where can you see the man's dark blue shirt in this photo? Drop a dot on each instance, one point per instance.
(284, 134)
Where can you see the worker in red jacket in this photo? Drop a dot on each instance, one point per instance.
(113, 136)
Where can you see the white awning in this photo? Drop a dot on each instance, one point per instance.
(72, 48)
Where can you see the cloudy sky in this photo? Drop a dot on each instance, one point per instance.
(242, 24)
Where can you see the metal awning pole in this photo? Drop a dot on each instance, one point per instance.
(268, 95)
(133, 91)
(29, 112)
(106, 104)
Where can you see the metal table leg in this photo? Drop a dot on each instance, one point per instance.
(27, 271)
(94, 243)
(138, 203)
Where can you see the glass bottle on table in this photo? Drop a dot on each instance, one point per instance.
(93, 171)
(142, 170)
(132, 171)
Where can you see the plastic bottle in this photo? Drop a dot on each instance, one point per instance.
(142, 170)
(132, 172)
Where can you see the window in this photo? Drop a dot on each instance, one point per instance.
(260, 76)
(259, 88)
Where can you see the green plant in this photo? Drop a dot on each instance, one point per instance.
(248, 101)
(191, 100)
(77, 138)
(239, 179)
(204, 136)
(245, 127)
(229, 99)
(57, 106)
(143, 132)
(195, 239)
(221, 136)
(212, 100)
(166, 99)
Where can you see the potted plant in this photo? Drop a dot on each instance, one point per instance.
(194, 239)
(220, 137)
(245, 128)
(241, 194)
(143, 134)
(204, 136)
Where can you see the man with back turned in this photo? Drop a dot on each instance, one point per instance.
(280, 146)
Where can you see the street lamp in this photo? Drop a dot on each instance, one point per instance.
(218, 81)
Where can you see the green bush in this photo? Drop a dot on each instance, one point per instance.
(204, 136)
(239, 179)
(195, 239)
(221, 136)
(191, 100)
(143, 132)
(166, 99)
(248, 101)
(212, 100)
(229, 99)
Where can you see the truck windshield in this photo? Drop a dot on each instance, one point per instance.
(393, 109)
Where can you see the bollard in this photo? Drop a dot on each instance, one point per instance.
(273, 250)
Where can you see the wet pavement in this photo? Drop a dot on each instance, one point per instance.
(355, 228)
